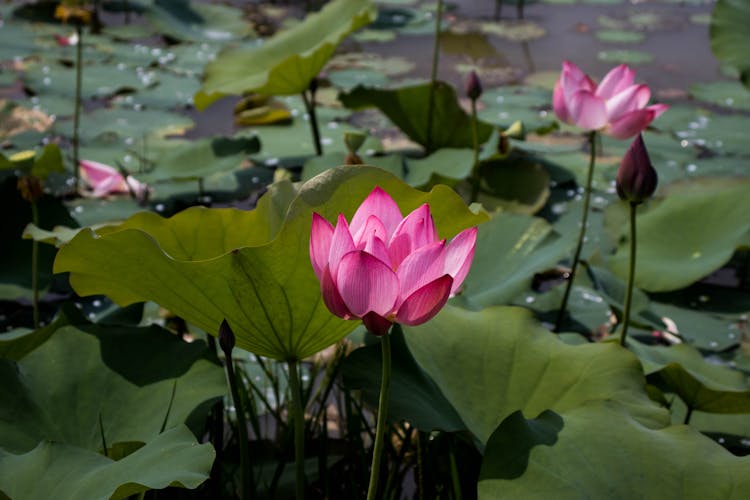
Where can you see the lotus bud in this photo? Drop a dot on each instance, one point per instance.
(636, 177)
(226, 338)
(473, 86)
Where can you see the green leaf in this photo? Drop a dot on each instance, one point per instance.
(701, 385)
(251, 268)
(510, 249)
(729, 35)
(136, 380)
(18, 343)
(286, 63)
(407, 108)
(173, 458)
(414, 396)
(689, 234)
(503, 358)
(517, 184)
(574, 457)
(731, 95)
(447, 165)
(49, 161)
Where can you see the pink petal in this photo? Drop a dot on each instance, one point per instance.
(380, 204)
(94, 172)
(415, 231)
(559, 105)
(458, 256)
(425, 303)
(320, 244)
(421, 267)
(588, 111)
(617, 80)
(341, 244)
(377, 248)
(630, 124)
(658, 109)
(573, 80)
(376, 324)
(109, 185)
(373, 227)
(630, 99)
(366, 284)
(332, 297)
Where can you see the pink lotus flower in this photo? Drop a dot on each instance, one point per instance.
(386, 268)
(105, 180)
(616, 107)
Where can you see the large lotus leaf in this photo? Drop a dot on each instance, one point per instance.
(599, 451)
(172, 458)
(447, 165)
(516, 184)
(393, 163)
(729, 35)
(135, 381)
(493, 362)
(207, 265)
(16, 344)
(414, 396)
(730, 95)
(703, 330)
(690, 234)
(98, 80)
(510, 249)
(196, 21)
(407, 108)
(701, 385)
(286, 63)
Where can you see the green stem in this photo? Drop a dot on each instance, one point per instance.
(385, 387)
(310, 107)
(35, 266)
(433, 75)
(631, 276)
(299, 428)
(688, 415)
(455, 479)
(246, 475)
(77, 110)
(581, 234)
(475, 139)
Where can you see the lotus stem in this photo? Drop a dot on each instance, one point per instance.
(631, 276)
(246, 474)
(385, 386)
(455, 479)
(299, 428)
(433, 75)
(77, 110)
(519, 8)
(475, 139)
(582, 232)
(310, 107)
(35, 267)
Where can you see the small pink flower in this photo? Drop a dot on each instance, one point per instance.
(105, 180)
(385, 268)
(616, 107)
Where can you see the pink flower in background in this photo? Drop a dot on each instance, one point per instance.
(616, 106)
(105, 180)
(386, 268)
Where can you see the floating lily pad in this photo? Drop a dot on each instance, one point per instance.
(126, 125)
(347, 79)
(634, 57)
(620, 36)
(517, 184)
(731, 95)
(516, 31)
(729, 35)
(196, 21)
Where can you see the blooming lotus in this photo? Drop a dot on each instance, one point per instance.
(616, 106)
(104, 180)
(386, 268)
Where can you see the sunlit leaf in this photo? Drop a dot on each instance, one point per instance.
(286, 63)
(251, 268)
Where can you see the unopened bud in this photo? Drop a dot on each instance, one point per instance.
(226, 338)
(473, 86)
(354, 141)
(636, 177)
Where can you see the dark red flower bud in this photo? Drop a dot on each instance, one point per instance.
(226, 338)
(636, 177)
(473, 86)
